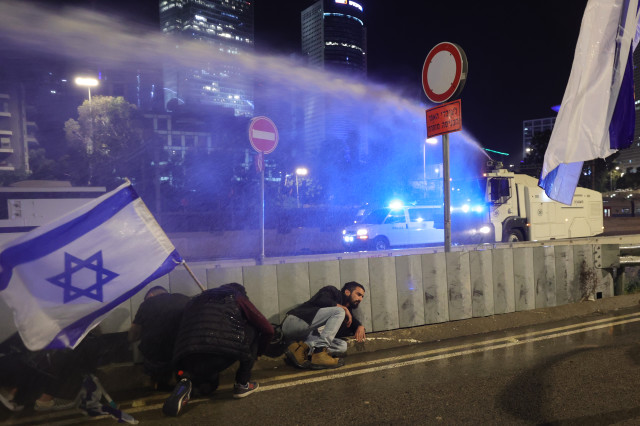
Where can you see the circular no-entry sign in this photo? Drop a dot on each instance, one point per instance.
(263, 135)
(444, 72)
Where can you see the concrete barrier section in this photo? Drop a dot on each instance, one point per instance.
(503, 281)
(383, 293)
(410, 291)
(524, 281)
(482, 299)
(544, 274)
(459, 285)
(436, 294)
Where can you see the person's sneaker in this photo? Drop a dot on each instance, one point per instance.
(55, 404)
(240, 391)
(297, 353)
(7, 400)
(178, 398)
(321, 360)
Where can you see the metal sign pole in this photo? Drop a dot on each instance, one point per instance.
(261, 259)
(447, 193)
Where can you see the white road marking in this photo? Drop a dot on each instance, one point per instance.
(349, 370)
(429, 356)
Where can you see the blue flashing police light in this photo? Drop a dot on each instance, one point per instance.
(396, 205)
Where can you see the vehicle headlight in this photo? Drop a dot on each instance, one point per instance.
(344, 231)
(362, 231)
(485, 229)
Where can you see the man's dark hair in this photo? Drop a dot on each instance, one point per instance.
(351, 285)
(154, 291)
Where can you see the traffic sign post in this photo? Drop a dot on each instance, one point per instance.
(263, 135)
(443, 77)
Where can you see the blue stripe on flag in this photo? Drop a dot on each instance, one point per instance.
(75, 331)
(560, 183)
(62, 235)
(623, 122)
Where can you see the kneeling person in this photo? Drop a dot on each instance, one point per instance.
(312, 329)
(218, 328)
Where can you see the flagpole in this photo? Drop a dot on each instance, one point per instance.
(184, 263)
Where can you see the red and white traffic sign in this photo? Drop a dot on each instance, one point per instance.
(444, 72)
(263, 135)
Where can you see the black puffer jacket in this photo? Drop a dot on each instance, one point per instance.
(213, 323)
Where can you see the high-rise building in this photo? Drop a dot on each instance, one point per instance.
(334, 38)
(17, 132)
(227, 27)
(531, 128)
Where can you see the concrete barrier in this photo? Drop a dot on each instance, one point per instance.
(403, 288)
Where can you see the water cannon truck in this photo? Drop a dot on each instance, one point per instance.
(519, 210)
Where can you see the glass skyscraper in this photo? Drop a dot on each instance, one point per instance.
(227, 27)
(334, 38)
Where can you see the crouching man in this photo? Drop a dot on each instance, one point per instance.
(218, 328)
(312, 330)
(156, 326)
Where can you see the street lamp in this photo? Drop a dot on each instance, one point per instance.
(611, 177)
(300, 171)
(89, 82)
(430, 141)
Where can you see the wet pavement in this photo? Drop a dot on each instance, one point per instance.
(581, 369)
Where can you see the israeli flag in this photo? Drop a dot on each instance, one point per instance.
(597, 114)
(62, 279)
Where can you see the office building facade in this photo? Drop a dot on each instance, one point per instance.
(334, 38)
(629, 158)
(226, 28)
(17, 132)
(531, 128)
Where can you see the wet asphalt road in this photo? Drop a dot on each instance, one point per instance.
(571, 372)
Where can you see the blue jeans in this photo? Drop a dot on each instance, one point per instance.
(321, 333)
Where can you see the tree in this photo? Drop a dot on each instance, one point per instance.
(534, 158)
(106, 142)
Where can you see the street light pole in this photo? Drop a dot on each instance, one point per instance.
(300, 171)
(430, 141)
(89, 82)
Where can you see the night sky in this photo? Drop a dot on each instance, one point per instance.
(519, 52)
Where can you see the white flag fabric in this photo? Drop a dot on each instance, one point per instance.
(63, 278)
(597, 108)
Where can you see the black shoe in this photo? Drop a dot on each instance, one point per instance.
(178, 398)
(240, 391)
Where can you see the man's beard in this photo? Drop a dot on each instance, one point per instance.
(354, 303)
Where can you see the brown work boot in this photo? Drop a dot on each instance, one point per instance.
(321, 360)
(297, 353)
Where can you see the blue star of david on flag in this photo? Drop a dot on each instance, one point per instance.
(73, 264)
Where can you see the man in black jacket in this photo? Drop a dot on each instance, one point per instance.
(156, 326)
(218, 328)
(312, 329)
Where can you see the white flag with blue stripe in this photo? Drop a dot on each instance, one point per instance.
(63, 278)
(597, 114)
